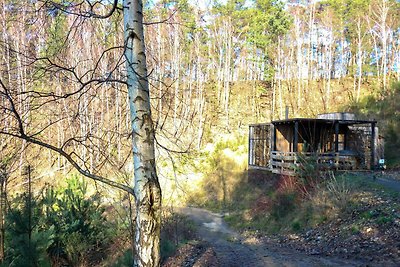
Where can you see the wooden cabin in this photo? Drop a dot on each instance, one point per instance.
(334, 140)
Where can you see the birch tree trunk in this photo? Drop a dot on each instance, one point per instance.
(310, 46)
(299, 59)
(359, 58)
(383, 8)
(147, 188)
(176, 70)
(329, 75)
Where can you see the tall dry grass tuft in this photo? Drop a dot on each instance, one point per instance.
(339, 190)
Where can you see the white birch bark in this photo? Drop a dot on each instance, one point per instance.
(146, 186)
(359, 58)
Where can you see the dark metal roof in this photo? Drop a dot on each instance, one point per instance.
(260, 124)
(322, 121)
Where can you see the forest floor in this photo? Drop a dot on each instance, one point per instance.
(366, 235)
(368, 231)
(219, 245)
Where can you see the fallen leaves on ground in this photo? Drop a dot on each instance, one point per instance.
(194, 254)
(367, 230)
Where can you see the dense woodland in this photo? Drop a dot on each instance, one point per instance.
(213, 67)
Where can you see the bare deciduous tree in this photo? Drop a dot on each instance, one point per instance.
(78, 81)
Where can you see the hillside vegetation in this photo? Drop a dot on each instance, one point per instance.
(69, 122)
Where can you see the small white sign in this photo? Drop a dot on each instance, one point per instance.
(382, 161)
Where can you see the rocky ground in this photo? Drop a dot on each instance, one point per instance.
(369, 232)
(196, 253)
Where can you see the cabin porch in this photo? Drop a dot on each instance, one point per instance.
(334, 144)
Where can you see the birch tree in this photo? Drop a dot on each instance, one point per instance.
(381, 15)
(147, 188)
(79, 78)
(357, 27)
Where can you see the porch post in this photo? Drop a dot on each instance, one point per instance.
(372, 146)
(274, 138)
(336, 136)
(295, 136)
(250, 161)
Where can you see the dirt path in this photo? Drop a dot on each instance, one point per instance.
(388, 180)
(232, 249)
(389, 183)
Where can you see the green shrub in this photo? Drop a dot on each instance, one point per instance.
(167, 248)
(355, 229)
(176, 229)
(384, 219)
(296, 226)
(26, 241)
(64, 226)
(283, 204)
(125, 260)
(80, 228)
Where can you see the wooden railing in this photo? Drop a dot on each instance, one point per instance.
(289, 163)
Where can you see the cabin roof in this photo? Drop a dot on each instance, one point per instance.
(321, 121)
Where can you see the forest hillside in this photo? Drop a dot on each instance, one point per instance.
(69, 123)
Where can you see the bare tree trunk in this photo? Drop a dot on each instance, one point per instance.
(299, 58)
(147, 188)
(3, 192)
(273, 99)
(6, 53)
(160, 50)
(279, 79)
(310, 46)
(200, 92)
(227, 74)
(397, 53)
(375, 47)
(359, 59)
(384, 9)
(22, 100)
(201, 107)
(177, 65)
(330, 67)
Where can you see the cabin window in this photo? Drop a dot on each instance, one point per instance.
(259, 145)
(341, 139)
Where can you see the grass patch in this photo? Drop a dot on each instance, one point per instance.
(275, 210)
(284, 204)
(355, 229)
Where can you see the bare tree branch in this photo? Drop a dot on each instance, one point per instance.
(85, 13)
(68, 156)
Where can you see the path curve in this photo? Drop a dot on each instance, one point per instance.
(232, 249)
(388, 183)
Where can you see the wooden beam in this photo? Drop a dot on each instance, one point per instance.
(296, 136)
(336, 136)
(372, 146)
(250, 145)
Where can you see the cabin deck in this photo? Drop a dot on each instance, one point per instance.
(289, 163)
(331, 141)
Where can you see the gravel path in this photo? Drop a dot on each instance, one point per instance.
(389, 183)
(232, 249)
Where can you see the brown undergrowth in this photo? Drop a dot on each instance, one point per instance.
(347, 215)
